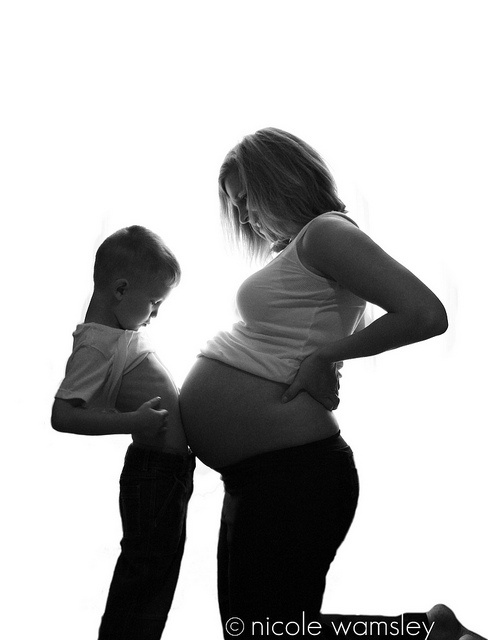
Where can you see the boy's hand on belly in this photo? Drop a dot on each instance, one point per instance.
(152, 422)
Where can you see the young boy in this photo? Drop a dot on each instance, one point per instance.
(110, 375)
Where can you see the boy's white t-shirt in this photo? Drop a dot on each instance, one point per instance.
(101, 356)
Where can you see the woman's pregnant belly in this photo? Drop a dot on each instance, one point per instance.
(230, 415)
(146, 381)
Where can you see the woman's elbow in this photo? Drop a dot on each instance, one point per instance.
(432, 321)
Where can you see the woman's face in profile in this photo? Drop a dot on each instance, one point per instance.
(238, 198)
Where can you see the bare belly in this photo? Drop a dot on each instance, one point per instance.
(230, 415)
(146, 381)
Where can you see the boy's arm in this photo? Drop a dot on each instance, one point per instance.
(70, 416)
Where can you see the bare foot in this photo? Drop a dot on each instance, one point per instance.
(447, 626)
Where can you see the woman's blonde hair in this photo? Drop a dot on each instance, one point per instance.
(285, 181)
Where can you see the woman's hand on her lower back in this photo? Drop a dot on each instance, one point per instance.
(319, 379)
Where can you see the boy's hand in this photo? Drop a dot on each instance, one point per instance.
(152, 420)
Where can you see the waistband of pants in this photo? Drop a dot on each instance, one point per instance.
(143, 459)
(298, 455)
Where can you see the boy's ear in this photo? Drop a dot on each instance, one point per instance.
(119, 287)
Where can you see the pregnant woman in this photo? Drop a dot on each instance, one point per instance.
(257, 406)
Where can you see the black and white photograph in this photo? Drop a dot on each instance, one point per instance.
(244, 260)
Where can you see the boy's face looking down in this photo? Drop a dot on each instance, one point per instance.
(138, 300)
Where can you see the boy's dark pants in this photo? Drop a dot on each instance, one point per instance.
(155, 488)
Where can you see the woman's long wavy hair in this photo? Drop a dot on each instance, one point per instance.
(287, 184)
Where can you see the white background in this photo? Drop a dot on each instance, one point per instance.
(116, 113)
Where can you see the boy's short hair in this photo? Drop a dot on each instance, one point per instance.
(135, 251)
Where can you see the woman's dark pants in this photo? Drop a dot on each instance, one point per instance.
(284, 516)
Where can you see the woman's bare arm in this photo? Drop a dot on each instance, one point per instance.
(337, 249)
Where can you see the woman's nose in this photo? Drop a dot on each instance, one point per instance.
(243, 214)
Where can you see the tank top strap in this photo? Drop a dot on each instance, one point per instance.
(336, 214)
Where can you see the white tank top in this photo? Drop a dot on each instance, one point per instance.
(286, 313)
